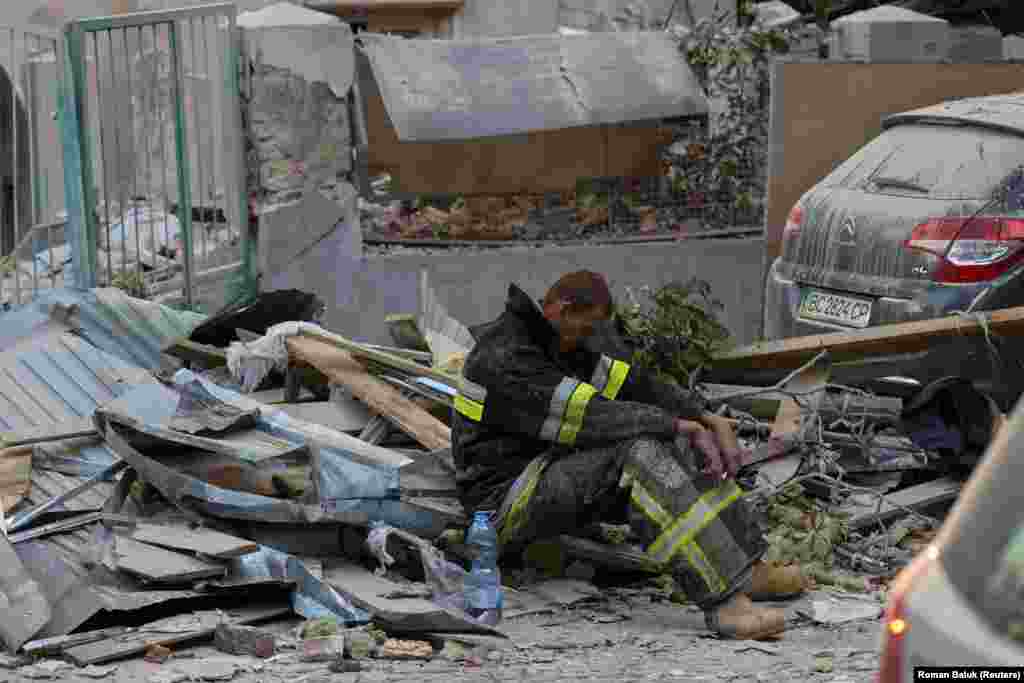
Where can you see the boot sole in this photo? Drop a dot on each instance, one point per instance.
(763, 634)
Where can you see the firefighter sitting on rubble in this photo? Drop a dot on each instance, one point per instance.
(554, 436)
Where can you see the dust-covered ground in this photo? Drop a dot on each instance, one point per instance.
(616, 638)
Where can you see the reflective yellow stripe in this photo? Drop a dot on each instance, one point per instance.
(609, 376)
(616, 378)
(573, 420)
(645, 502)
(696, 558)
(693, 521)
(522, 490)
(471, 409)
(557, 408)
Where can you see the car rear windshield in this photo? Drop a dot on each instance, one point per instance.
(937, 161)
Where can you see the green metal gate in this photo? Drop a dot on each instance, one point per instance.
(153, 150)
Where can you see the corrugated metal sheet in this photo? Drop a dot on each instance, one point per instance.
(998, 111)
(56, 380)
(47, 485)
(64, 565)
(133, 330)
(465, 89)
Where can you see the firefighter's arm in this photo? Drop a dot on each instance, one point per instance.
(526, 393)
(626, 382)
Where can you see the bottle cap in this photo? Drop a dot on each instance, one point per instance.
(483, 515)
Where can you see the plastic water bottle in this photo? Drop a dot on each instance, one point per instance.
(483, 583)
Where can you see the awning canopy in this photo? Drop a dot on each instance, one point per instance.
(446, 90)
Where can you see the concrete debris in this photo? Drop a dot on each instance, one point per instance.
(157, 654)
(840, 609)
(345, 666)
(8, 661)
(405, 649)
(244, 640)
(47, 668)
(97, 672)
(231, 513)
(359, 645)
(323, 649)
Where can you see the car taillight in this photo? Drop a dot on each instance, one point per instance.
(971, 249)
(894, 623)
(792, 229)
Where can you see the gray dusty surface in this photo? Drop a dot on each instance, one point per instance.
(609, 641)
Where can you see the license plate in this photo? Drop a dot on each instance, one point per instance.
(833, 308)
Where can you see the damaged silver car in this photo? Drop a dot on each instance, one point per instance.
(925, 220)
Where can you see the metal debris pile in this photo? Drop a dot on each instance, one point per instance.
(169, 479)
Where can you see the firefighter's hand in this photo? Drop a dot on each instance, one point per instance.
(715, 465)
(688, 427)
(703, 440)
(732, 455)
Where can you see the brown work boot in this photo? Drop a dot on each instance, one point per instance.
(741, 619)
(770, 582)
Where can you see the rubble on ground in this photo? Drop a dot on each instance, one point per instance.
(571, 215)
(155, 501)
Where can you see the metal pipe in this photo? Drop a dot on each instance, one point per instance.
(235, 166)
(163, 139)
(135, 156)
(119, 158)
(181, 150)
(199, 146)
(103, 153)
(149, 104)
(15, 223)
(30, 110)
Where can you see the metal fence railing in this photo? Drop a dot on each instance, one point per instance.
(156, 128)
(31, 170)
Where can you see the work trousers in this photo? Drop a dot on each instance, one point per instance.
(700, 531)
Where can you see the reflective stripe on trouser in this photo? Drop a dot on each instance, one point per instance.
(706, 534)
(512, 513)
(708, 537)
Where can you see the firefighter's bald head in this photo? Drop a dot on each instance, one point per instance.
(575, 304)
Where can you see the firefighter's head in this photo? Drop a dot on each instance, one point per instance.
(575, 305)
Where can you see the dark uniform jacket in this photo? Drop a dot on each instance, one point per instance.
(524, 398)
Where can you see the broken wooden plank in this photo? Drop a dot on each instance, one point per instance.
(206, 542)
(888, 340)
(24, 609)
(157, 565)
(341, 367)
(943, 490)
(171, 632)
(15, 476)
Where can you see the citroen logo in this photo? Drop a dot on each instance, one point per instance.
(848, 231)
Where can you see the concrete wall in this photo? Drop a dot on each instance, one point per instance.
(473, 285)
